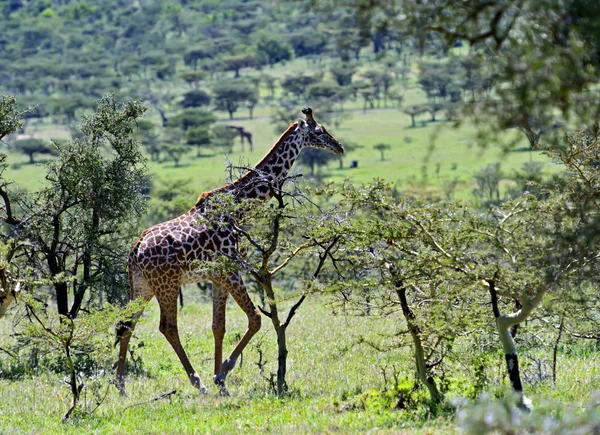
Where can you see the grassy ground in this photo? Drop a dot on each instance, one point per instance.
(334, 383)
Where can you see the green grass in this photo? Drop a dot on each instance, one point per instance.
(331, 379)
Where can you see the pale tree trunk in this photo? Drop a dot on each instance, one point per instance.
(503, 325)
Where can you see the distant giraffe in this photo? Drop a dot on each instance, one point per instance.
(247, 134)
(166, 255)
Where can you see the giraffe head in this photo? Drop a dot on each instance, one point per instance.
(314, 134)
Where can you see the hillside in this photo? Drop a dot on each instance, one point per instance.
(274, 59)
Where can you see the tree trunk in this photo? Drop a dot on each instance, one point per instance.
(281, 360)
(280, 330)
(503, 325)
(415, 333)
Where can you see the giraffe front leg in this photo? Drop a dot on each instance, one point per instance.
(234, 285)
(218, 327)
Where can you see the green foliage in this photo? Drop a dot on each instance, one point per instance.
(222, 138)
(229, 95)
(343, 72)
(298, 84)
(192, 117)
(237, 62)
(271, 50)
(308, 42)
(10, 116)
(80, 348)
(77, 226)
(195, 98)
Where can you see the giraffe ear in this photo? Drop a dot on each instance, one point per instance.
(302, 124)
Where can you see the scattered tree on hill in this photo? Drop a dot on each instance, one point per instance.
(433, 109)
(314, 157)
(222, 138)
(197, 98)
(297, 84)
(193, 77)
(270, 82)
(196, 54)
(382, 148)
(414, 111)
(238, 61)
(230, 95)
(31, 147)
(149, 138)
(271, 50)
(308, 42)
(192, 117)
(343, 72)
(198, 137)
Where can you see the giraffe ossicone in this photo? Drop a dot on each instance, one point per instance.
(167, 255)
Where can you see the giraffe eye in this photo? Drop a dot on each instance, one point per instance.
(318, 132)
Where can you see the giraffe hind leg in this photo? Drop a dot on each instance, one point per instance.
(236, 287)
(125, 328)
(167, 300)
(124, 333)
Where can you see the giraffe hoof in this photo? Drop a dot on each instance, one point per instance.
(196, 382)
(219, 381)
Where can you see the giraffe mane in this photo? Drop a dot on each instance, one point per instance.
(244, 177)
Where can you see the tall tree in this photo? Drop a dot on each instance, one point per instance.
(78, 225)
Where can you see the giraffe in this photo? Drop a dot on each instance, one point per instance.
(244, 134)
(167, 255)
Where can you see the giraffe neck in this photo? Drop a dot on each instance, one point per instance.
(268, 174)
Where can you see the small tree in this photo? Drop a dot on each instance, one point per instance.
(196, 98)
(229, 95)
(198, 137)
(285, 237)
(193, 77)
(342, 73)
(297, 84)
(414, 111)
(31, 147)
(382, 147)
(313, 157)
(238, 61)
(222, 138)
(192, 117)
(271, 50)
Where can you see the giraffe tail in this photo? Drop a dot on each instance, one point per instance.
(123, 326)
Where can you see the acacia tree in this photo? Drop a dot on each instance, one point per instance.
(77, 227)
(230, 95)
(281, 235)
(31, 147)
(11, 120)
